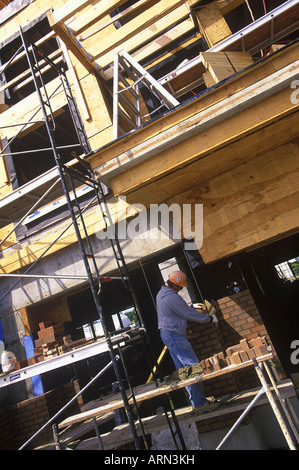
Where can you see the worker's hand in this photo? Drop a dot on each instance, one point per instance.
(200, 306)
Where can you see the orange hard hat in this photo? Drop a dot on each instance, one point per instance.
(178, 278)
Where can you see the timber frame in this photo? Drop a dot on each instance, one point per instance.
(212, 120)
(227, 66)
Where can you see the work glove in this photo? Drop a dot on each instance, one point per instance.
(215, 319)
(200, 306)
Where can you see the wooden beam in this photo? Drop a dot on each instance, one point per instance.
(72, 43)
(228, 5)
(147, 38)
(223, 64)
(121, 435)
(150, 390)
(72, 7)
(76, 82)
(251, 103)
(137, 25)
(99, 11)
(212, 24)
(152, 130)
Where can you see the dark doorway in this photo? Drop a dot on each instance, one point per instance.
(272, 275)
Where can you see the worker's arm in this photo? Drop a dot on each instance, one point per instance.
(183, 310)
(199, 307)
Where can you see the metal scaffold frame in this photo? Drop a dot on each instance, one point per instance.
(67, 176)
(128, 78)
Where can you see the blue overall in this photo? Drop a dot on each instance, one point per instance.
(173, 314)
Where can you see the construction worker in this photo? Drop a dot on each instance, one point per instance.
(173, 314)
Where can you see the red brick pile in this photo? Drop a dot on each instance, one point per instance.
(242, 352)
(51, 342)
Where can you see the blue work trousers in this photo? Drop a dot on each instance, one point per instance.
(183, 355)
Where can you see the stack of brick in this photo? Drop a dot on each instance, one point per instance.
(245, 351)
(50, 337)
(51, 342)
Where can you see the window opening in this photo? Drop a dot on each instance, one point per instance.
(32, 155)
(288, 271)
(16, 80)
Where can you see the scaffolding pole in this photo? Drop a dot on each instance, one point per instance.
(63, 170)
(30, 210)
(67, 405)
(240, 419)
(276, 410)
(33, 55)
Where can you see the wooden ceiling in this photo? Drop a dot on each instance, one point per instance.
(3, 3)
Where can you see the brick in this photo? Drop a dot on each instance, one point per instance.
(222, 360)
(260, 350)
(235, 358)
(214, 361)
(38, 351)
(20, 364)
(256, 342)
(45, 324)
(62, 349)
(208, 366)
(56, 331)
(244, 356)
(244, 344)
(232, 349)
(40, 358)
(31, 361)
(67, 339)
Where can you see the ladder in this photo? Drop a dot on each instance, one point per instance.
(128, 79)
(70, 178)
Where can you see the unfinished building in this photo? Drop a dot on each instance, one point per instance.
(139, 137)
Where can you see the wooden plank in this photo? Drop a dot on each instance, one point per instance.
(24, 110)
(121, 435)
(154, 128)
(99, 11)
(217, 64)
(118, 39)
(25, 321)
(157, 44)
(148, 391)
(28, 252)
(70, 41)
(78, 90)
(224, 64)
(212, 23)
(167, 150)
(71, 7)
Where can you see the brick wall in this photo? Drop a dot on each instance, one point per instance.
(238, 319)
(20, 421)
